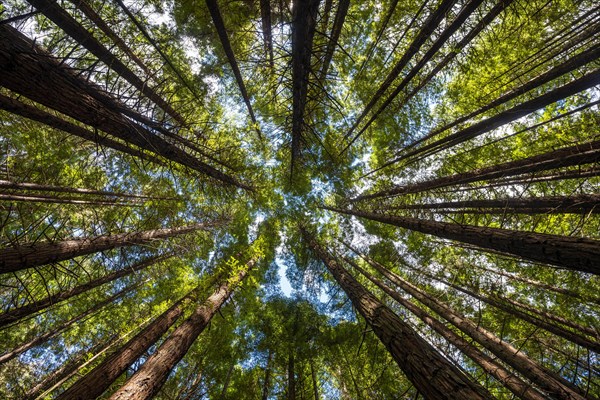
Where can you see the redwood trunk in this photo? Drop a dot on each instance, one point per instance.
(62, 327)
(150, 377)
(433, 375)
(513, 383)
(42, 253)
(31, 308)
(101, 377)
(549, 381)
(576, 253)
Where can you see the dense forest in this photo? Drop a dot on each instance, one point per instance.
(307, 199)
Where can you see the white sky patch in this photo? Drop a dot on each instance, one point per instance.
(284, 282)
(253, 228)
(192, 52)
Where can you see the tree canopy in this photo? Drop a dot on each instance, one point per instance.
(314, 199)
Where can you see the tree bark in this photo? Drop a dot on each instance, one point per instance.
(291, 379)
(517, 386)
(27, 198)
(31, 308)
(60, 17)
(429, 371)
(314, 380)
(426, 30)
(303, 31)
(549, 381)
(580, 154)
(150, 377)
(215, 14)
(67, 370)
(581, 203)
(267, 382)
(94, 383)
(62, 327)
(265, 16)
(575, 253)
(34, 73)
(35, 114)
(42, 253)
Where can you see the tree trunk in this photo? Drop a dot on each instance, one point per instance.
(32, 72)
(585, 82)
(575, 253)
(291, 387)
(429, 371)
(582, 203)
(91, 14)
(60, 17)
(547, 380)
(336, 30)
(27, 198)
(584, 153)
(303, 31)
(66, 371)
(42, 253)
(63, 326)
(267, 382)
(428, 27)
(150, 377)
(314, 380)
(265, 16)
(215, 14)
(513, 383)
(31, 308)
(437, 45)
(17, 107)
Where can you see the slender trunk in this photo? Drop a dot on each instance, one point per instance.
(150, 377)
(549, 381)
(265, 15)
(60, 17)
(34, 73)
(314, 380)
(27, 198)
(542, 285)
(500, 303)
(66, 371)
(429, 371)
(428, 27)
(31, 308)
(17, 107)
(267, 382)
(63, 326)
(64, 189)
(582, 203)
(90, 13)
(575, 253)
(580, 154)
(227, 379)
(217, 19)
(435, 47)
(336, 30)
(42, 253)
(303, 31)
(585, 82)
(291, 387)
(513, 383)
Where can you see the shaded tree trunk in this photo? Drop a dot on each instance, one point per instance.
(584, 153)
(426, 30)
(33, 113)
(33, 307)
(549, 381)
(27, 198)
(314, 380)
(428, 370)
(338, 23)
(42, 253)
(150, 377)
(576, 253)
(265, 15)
(291, 379)
(63, 326)
(581, 203)
(67, 370)
(267, 382)
(34, 73)
(303, 31)
(215, 14)
(517, 386)
(60, 17)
